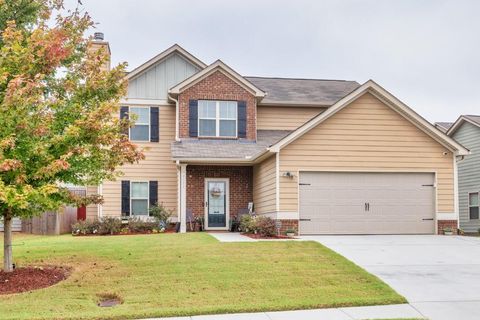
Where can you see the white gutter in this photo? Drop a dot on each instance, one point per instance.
(177, 117)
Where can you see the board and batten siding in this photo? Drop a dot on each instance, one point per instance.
(367, 135)
(155, 81)
(157, 166)
(264, 186)
(468, 173)
(284, 118)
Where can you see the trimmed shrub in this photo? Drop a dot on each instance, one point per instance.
(137, 225)
(265, 226)
(161, 214)
(109, 225)
(247, 224)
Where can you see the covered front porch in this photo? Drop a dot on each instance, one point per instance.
(214, 194)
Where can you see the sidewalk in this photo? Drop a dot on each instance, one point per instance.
(398, 311)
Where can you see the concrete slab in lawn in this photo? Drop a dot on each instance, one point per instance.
(429, 271)
(231, 237)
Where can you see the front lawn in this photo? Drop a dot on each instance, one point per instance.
(187, 274)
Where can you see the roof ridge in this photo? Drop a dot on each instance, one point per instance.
(312, 79)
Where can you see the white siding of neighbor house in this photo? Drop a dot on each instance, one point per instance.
(155, 81)
(16, 225)
(468, 173)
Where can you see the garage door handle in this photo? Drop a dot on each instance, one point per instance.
(305, 219)
(428, 219)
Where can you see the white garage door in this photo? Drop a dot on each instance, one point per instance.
(16, 225)
(366, 203)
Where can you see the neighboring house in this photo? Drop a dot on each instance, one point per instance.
(443, 126)
(320, 156)
(16, 225)
(466, 130)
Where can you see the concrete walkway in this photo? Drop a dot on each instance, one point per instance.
(399, 311)
(439, 275)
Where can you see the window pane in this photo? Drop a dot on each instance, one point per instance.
(228, 128)
(139, 207)
(228, 109)
(474, 213)
(207, 128)
(143, 114)
(473, 201)
(139, 133)
(139, 189)
(206, 109)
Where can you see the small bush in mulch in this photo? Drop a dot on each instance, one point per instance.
(108, 299)
(263, 226)
(31, 278)
(259, 236)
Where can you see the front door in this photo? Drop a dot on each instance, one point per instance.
(216, 204)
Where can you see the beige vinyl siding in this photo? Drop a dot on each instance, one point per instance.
(158, 165)
(264, 186)
(284, 118)
(92, 209)
(367, 135)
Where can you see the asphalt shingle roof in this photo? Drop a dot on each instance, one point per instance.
(226, 149)
(303, 91)
(473, 118)
(443, 126)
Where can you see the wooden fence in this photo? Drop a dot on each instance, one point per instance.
(51, 223)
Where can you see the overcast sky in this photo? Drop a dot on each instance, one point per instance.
(427, 53)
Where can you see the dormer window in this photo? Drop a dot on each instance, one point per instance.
(217, 118)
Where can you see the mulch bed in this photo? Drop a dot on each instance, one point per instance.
(121, 234)
(258, 236)
(31, 278)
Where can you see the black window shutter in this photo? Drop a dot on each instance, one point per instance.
(242, 119)
(124, 115)
(193, 118)
(153, 193)
(154, 128)
(125, 197)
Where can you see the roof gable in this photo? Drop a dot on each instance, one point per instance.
(389, 100)
(162, 55)
(214, 67)
(473, 119)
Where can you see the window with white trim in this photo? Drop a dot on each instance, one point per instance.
(473, 205)
(217, 118)
(139, 198)
(141, 130)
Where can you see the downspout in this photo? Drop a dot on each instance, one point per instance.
(177, 116)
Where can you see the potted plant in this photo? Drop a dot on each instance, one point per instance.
(290, 233)
(448, 231)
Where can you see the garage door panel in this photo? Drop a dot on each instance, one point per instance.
(335, 203)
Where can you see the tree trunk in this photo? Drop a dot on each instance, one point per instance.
(7, 243)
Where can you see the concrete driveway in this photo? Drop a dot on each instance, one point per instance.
(439, 275)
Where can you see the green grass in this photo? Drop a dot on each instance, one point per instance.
(187, 274)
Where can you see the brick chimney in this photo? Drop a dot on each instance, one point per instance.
(99, 42)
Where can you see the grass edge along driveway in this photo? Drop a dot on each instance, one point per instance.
(187, 274)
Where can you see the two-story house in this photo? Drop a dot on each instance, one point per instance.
(321, 156)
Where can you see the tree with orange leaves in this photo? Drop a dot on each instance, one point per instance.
(56, 111)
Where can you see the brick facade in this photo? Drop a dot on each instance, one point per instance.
(447, 223)
(240, 186)
(288, 224)
(217, 86)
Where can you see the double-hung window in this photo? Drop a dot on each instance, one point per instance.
(139, 197)
(141, 130)
(473, 205)
(217, 118)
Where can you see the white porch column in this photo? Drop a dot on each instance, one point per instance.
(183, 198)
